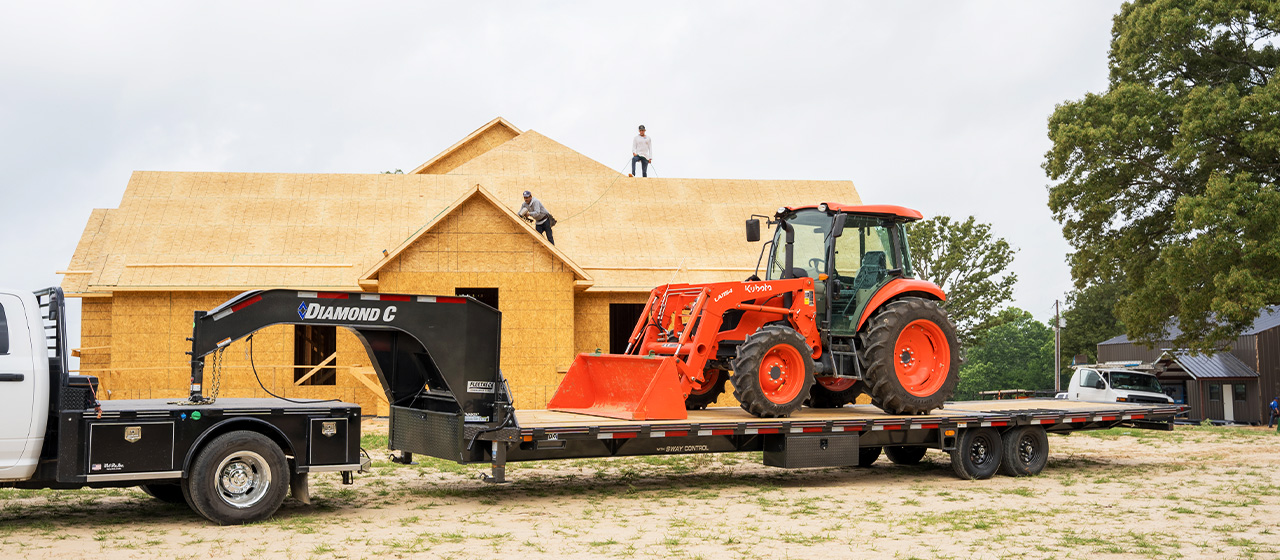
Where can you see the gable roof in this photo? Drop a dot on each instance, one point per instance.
(485, 138)
(239, 231)
(480, 194)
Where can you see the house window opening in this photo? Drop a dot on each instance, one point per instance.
(1215, 392)
(622, 320)
(487, 296)
(314, 346)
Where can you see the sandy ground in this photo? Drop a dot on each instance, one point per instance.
(1192, 493)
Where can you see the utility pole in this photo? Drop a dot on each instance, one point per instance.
(1057, 349)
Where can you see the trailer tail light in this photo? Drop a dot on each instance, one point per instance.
(949, 433)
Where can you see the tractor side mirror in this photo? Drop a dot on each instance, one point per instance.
(753, 230)
(837, 228)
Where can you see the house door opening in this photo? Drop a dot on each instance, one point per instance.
(622, 320)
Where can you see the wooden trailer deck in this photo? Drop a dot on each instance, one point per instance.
(537, 424)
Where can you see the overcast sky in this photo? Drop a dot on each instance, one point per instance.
(940, 106)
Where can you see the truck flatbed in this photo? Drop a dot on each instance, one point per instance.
(239, 406)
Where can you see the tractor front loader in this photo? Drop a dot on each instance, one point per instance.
(838, 314)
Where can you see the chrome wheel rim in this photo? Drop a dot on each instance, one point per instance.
(243, 479)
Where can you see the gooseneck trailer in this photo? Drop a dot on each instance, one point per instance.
(437, 359)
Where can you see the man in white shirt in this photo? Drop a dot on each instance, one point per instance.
(641, 151)
(534, 210)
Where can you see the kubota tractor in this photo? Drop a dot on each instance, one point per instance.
(838, 314)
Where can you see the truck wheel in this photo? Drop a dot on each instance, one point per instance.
(773, 372)
(240, 477)
(912, 357)
(705, 395)
(167, 492)
(867, 456)
(977, 454)
(1026, 450)
(835, 392)
(905, 454)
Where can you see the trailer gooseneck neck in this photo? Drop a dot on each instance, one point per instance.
(432, 354)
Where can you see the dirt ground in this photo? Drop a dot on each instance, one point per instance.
(1196, 492)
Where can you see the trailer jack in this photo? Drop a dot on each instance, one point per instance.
(499, 469)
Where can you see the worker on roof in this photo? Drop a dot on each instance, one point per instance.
(641, 151)
(532, 209)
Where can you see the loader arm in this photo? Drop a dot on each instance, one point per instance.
(431, 353)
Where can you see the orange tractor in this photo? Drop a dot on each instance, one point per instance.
(838, 314)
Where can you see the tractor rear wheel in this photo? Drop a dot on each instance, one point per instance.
(773, 372)
(835, 392)
(911, 355)
(706, 394)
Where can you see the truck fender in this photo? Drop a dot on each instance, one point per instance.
(902, 287)
(231, 424)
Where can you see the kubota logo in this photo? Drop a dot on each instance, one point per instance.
(753, 288)
(340, 313)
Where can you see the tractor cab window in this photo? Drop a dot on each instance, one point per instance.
(864, 257)
(810, 256)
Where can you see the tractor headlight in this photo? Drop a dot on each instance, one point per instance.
(822, 207)
(782, 210)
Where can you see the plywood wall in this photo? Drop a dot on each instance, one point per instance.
(478, 247)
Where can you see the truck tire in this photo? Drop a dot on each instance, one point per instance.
(909, 347)
(710, 391)
(167, 492)
(977, 454)
(905, 454)
(239, 477)
(1026, 450)
(835, 392)
(773, 372)
(867, 456)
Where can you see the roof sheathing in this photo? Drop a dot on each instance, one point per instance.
(492, 134)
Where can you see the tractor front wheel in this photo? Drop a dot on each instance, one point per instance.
(709, 391)
(773, 372)
(911, 355)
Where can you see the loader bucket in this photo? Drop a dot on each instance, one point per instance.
(621, 386)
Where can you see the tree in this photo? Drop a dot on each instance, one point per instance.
(1016, 353)
(970, 266)
(1090, 319)
(1167, 181)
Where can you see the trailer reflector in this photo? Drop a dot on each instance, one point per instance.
(617, 435)
(1046, 421)
(673, 433)
(1108, 418)
(245, 303)
(1074, 420)
(331, 295)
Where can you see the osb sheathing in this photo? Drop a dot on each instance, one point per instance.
(475, 246)
(487, 137)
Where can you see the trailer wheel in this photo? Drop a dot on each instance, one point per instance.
(905, 454)
(773, 372)
(705, 395)
(867, 456)
(167, 492)
(977, 454)
(835, 392)
(912, 356)
(240, 477)
(1026, 450)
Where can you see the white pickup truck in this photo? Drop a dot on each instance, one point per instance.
(1102, 384)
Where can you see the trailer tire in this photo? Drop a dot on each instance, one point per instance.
(833, 392)
(912, 356)
(710, 391)
(867, 456)
(167, 492)
(977, 454)
(773, 372)
(905, 454)
(239, 477)
(1026, 450)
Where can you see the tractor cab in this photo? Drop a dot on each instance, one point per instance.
(851, 252)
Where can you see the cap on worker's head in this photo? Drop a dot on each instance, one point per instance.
(641, 127)
(527, 194)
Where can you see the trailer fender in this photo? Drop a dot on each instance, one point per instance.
(232, 424)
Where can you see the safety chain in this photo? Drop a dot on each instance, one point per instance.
(215, 374)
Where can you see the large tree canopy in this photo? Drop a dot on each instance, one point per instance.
(970, 265)
(1167, 182)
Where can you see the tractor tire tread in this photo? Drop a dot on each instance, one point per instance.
(877, 353)
(747, 388)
